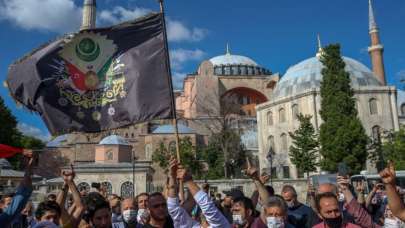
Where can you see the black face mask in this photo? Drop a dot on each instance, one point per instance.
(334, 222)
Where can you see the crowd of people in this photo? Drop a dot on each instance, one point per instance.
(184, 204)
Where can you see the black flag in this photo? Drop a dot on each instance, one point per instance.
(97, 79)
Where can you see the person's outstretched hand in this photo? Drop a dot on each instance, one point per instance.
(343, 182)
(251, 171)
(29, 158)
(173, 167)
(388, 174)
(183, 174)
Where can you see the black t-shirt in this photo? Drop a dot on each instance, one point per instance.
(168, 224)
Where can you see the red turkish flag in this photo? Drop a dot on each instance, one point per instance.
(9, 151)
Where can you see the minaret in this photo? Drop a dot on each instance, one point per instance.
(376, 49)
(320, 49)
(89, 15)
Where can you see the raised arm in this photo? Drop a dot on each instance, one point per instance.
(212, 214)
(394, 200)
(253, 173)
(180, 217)
(360, 215)
(79, 207)
(22, 195)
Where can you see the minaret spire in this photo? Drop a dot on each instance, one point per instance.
(89, 15)
(320, 49)
(228, 51)
(376, 49)
(372, 24)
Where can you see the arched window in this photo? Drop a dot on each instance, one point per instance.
(269, 118)
(295, 111)
(243, 70)
(126, 135)
(127, 190)
(281, 115)
(235, 70)
(148, 151)
(403, 109)
(83, 186)
(227, 70)
(372, 103)
(107, 186)
(376, 133)
(283, 140)
(270, 141)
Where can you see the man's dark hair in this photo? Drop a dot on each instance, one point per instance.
(142, 194)
(51, 197)
(277, 201)
(94, 201)
(45, 206)
(320, 196)
(155, 194)
(246, 202)
(289, 188)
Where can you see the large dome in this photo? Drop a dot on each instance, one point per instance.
(307, 75)
(228, 59)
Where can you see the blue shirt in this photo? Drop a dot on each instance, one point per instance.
(17, 205)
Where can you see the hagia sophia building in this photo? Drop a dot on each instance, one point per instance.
(269, 103)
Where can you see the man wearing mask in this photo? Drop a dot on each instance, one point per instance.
(327, 206)
(242, 212)
(298, 213)
(142, 202)
(128, 212)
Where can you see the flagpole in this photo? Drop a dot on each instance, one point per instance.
(176, 130)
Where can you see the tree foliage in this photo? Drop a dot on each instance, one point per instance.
(391, 147)
(342, 136)
(9, 133)
(188, 156)
(226, 143)
(304, 149)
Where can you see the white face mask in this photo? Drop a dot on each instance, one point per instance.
(142, 215)
(392, 223)
(129, 215)
(341, 197)
(273, 222)
(238, 220)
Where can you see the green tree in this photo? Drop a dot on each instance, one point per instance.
(188, 156)
(391, 147)
(9, 133)
(304, 149)
(342, 136)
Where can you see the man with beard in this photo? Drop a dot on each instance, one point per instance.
(159, 216)
(328, 209)
(242, 212)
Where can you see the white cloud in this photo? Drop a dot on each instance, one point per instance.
(179, 56)
(119, 14)
(50, 15)
(30, 130)
(177, 31)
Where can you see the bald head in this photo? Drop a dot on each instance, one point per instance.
(127, 204)
(327, 187)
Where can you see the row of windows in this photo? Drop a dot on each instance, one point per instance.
(127, 188)
(240, 70)
(373, 109)
(282, 115)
